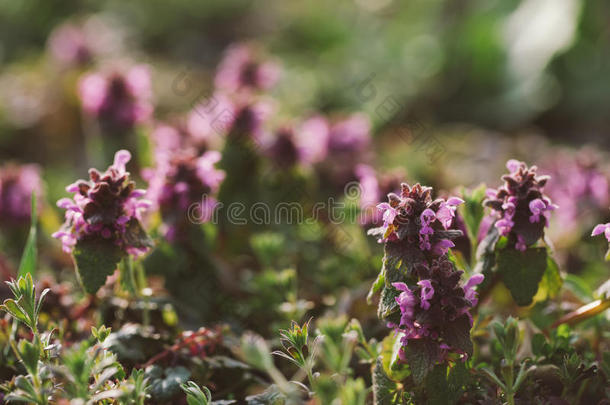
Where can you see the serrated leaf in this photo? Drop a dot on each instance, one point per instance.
(28, 259)
(387, 303)
(457, 334)
(394, 368)
(383, 386)
(95, 260)
(522, 272)
(421, 355)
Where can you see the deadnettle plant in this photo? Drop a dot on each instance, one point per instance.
(117, 100)
(521, 208)
(103, 221)
(422, 298)
(180, 180)
(512, 248)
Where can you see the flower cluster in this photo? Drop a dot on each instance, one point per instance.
(181, 179)
(415, 218)
(521, 208)
(17, 183)
(117, 100)
(243, 69)
(437, 300)
(107, 207)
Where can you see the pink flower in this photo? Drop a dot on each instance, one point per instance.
(242, 68)
(427, 292)
(17, 183)
(602, 228)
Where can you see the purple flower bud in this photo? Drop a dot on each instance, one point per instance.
(107, 206)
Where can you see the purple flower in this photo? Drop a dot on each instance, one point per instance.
(117, 100)
(183, 180)
(68, 44)
(413, 213)
(312, 139)
(351, 135)
(242, 68)
(602, 228)
(108, 206)
(372, 188)
(519, 205)
(435, 301)
(17, 183)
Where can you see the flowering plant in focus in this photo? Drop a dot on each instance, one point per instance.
(513, 247)
(522, 209)
(117, 100)
(17, 183)
(422, 298)
(103, 221)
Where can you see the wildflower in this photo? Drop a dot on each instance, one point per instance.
(180, 180)
(371, 190)
(117, 100)
(415, 218)
(17, 183)
(521, 208)
(434, 302)
(106, 207)
(242, 68)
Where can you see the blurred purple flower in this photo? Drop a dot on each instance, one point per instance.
(108, 206)
(602, 228)
(243, 68)
(183, 178)
(117, 100)
(17, 183)
(68, 45)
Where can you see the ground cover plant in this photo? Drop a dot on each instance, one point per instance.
(215, 241)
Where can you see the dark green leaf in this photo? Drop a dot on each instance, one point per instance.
(383, 386)
(486, 256)
(457, 334)
(551, 282)
(421, 354)
(522, 272)
(136, 236)
(95, 259)
(387, 302)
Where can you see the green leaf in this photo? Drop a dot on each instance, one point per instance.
(195, 395)
(271, 396)
(383, 386)
(457, 334)
(95, 260)
(13, 308)
(28, 260)
(486, 256)
(522, 272)
(387, 303)
(379, 282)
(472, 211)
(394, 368)
(538, 342)
(437, 388)
(421, 354)
(30, 354)
(551, 282)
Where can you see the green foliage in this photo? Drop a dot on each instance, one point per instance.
(522, 272)
(194, 394)
(24, 307)
(472, 210)
(95, 260)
